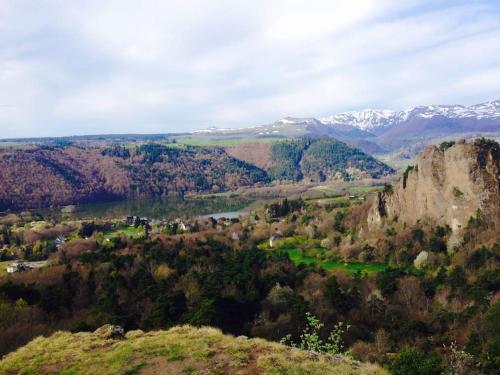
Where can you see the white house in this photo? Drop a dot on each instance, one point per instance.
(17, 267)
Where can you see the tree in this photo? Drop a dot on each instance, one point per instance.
(335, 294)
(339, 218)
(87, 229)
(387, 280)
(410, 361)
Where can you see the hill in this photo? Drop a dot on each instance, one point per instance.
(57, 175)
(180, 350)
(323, 158)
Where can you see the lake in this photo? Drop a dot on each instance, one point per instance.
(157, 208)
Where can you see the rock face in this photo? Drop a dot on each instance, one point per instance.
(447, 186)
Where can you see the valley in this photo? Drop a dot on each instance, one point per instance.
(343, 255)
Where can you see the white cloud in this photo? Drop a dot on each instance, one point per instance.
(123, 66)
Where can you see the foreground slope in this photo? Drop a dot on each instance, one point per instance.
(179, 350)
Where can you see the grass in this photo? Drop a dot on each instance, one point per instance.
(125, 230)
(291, 242)
(365, 189)
(209, 141)
(314, 254)
(298, 256)
(4, 264)
(197, 350)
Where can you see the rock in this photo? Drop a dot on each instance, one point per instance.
(447, 186)
(421, 259)
(109, 331)
(242, 337)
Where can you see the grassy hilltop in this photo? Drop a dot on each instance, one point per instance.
(180, 350)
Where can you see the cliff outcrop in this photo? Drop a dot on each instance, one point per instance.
(447, 186)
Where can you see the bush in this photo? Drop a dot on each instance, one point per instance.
(446, 145)
(410, 361)
(310, 340)
(437, 245)
(388, 189)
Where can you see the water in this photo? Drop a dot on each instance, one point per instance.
(157, 208)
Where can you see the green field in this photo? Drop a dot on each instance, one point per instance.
(207, 141)
(291, 243)
(127, 231)
(314, 254)
(297, 257)
(364, 189)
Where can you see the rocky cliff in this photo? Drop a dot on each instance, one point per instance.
(447, 185)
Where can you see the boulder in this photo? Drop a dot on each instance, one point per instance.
(109, 331)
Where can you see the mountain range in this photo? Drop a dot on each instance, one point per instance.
(378, 131)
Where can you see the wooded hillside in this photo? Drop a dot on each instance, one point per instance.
(46, 176)
(322, 158)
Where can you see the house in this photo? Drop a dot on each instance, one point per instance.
(185, 227)
(17, 267)
(136, 221)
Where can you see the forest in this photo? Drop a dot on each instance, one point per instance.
(322, 158)
(410, 312)
(45, 176)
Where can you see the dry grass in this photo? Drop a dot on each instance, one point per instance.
(180, 350)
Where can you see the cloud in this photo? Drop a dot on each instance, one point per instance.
(119, 66)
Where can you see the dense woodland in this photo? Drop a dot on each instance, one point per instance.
(319, 159)
(61, 175)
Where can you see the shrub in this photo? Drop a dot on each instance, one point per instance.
(437, 245)
(457, 192)
(410, 361)
(446, 145)
(310, 340)
(388, 189)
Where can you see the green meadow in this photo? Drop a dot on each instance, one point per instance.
(302, 250)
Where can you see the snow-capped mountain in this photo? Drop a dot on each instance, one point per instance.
(371, 119)
(378, 131)
(367, 119)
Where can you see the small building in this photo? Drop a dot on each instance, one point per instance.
(185, 227)
(17, 267)
(136, 221)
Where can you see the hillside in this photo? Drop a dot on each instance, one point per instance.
(320, 159)
(46, 176)
(180, 350)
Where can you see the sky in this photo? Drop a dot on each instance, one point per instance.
(98, 67)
